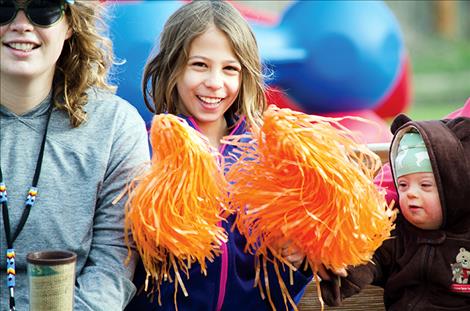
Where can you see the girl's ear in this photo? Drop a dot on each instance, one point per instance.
(398, 122)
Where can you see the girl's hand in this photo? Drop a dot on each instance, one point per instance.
(292, 254)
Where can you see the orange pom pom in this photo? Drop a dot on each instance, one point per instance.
(304, 180)
(174, 209)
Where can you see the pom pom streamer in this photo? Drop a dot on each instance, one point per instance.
(302, 179)
(174, 209)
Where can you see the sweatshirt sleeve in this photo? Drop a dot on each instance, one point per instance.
(105, 281)
(376, 272)
(334, 291)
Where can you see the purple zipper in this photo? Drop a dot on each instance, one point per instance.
(224, 248)
(224, 268)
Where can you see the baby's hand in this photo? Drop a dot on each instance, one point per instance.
(325, 274)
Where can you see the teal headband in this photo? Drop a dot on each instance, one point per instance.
(412, 156)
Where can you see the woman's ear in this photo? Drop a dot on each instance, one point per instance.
(69, 33)
(398, 122)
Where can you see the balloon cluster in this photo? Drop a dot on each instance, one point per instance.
(333, 58)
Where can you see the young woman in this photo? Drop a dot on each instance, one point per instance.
(71, 143)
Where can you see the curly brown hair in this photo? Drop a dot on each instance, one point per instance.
(85, 60)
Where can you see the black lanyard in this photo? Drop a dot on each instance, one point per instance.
(27, 208)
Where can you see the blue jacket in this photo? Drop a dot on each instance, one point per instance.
(229, 284)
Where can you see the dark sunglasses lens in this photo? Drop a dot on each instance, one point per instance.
(7, 10)
(44, 12)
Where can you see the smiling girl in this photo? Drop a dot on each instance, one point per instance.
(208, 71)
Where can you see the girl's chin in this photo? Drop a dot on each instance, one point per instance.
(206, 119)
(210, 108)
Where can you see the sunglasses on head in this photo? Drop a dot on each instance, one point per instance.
(42, 13)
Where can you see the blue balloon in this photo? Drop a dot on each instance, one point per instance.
(333, 56)
(135, 29)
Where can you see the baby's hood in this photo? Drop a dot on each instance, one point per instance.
(448, 146)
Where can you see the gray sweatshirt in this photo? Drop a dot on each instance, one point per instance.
(84, 170)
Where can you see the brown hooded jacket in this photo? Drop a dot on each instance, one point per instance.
(419, 269)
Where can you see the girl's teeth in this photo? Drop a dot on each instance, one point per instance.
(210, 100)
(22, 46)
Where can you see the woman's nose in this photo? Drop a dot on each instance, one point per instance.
(21, 22)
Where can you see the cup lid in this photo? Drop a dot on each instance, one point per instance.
(51, 257)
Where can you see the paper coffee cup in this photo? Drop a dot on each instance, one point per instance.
(51, 277)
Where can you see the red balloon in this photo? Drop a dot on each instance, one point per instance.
(277, 97)
(398, 99)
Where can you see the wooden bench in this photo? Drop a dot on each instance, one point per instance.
(370, 299)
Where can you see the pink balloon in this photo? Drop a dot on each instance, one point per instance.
(371, 129)
(461, 112)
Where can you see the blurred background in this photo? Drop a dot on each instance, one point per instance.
(366, 59)
(437, 37)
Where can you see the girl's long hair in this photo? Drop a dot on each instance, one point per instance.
(191, 20)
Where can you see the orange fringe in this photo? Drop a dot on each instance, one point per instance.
(174, 209)
(304, 179)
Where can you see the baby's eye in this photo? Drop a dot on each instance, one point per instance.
(401, 185)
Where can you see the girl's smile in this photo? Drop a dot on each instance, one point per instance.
(211, 79)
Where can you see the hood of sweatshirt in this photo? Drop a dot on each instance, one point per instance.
(448, 146)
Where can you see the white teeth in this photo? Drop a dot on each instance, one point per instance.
(22, 46)
(210, 100)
